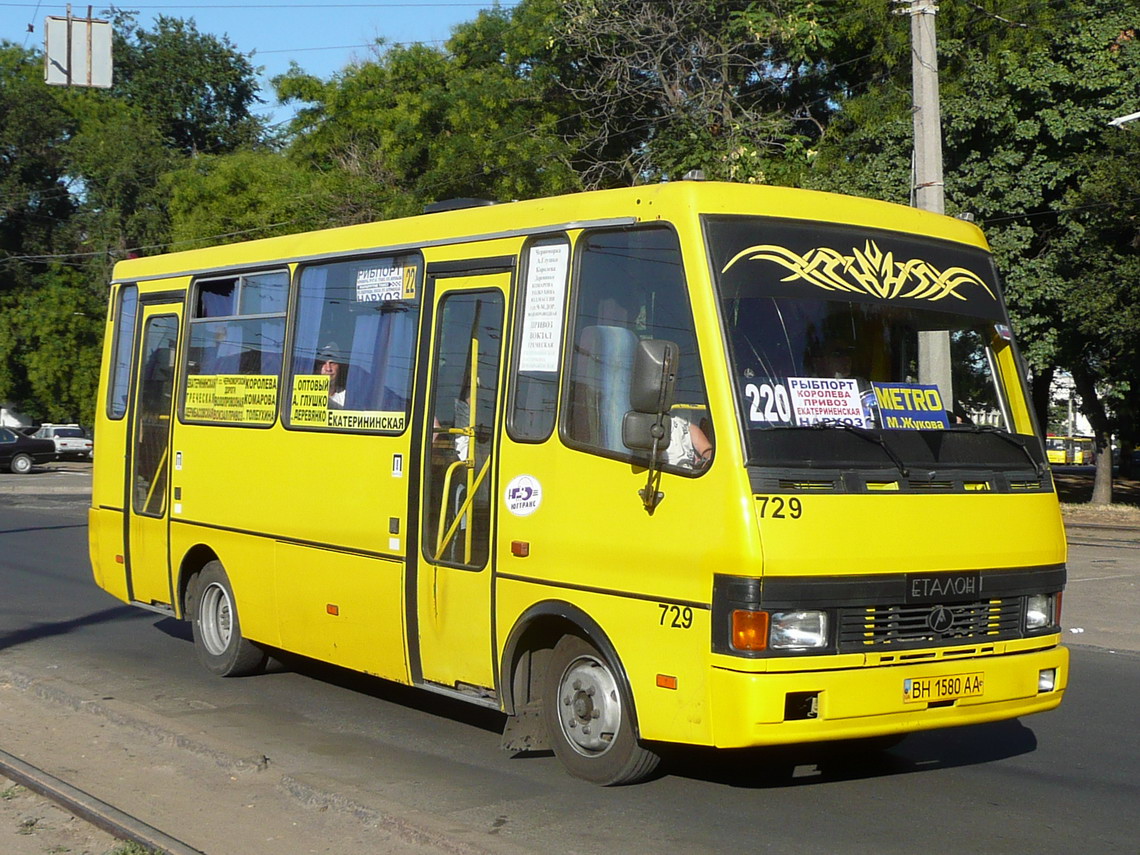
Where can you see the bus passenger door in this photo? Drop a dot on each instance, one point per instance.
(460, 424)
(148, 460)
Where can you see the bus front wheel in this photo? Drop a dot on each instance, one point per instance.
(217, 630)
(589, 718)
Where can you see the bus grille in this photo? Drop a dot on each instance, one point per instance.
(865, 628)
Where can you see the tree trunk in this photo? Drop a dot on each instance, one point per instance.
(1093, 407)
(1039, 393)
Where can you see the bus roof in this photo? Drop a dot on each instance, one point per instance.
(670, 201)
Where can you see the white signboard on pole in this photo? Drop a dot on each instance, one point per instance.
(77, 52)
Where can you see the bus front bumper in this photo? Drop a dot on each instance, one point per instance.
(809, 706)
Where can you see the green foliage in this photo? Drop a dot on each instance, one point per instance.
(244, 195)
(121, 156)
(664, 87)
(34, 198)
(198, 89)
(50, 344)
(420, 124)
(82, 178)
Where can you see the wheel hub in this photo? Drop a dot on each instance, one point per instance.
(589, 708)
(216, 619)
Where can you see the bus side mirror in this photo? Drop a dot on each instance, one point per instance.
(640, 430)
(646, 426)
(650, 395)
(654, 376)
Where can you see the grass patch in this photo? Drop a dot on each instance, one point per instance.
(1077, 512)
(132, 848)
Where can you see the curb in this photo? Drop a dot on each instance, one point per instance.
(1103, 526)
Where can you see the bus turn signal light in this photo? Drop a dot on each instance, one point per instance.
(749, 630)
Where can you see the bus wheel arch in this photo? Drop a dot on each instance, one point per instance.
(196, 558)
(213, 613)
(557, 651)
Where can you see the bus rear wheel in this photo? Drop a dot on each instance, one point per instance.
(217, 630)
(589, 717)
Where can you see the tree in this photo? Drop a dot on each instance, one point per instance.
(419, 124)
(1101, 261)
(198, 89)
(82, 180)
(117, 156)
(243, 195)
(34, 198)
(668, 86)
(50, 346)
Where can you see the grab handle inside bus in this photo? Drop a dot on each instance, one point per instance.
(645, 426)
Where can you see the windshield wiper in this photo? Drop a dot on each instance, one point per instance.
(868, 435)
(1008, 437)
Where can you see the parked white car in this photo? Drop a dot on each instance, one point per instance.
(70, 441)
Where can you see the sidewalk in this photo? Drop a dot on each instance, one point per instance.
(62, 477)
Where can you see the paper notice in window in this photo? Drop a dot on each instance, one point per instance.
(542, 314)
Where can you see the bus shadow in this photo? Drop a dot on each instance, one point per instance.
(440, 706)
(48, 629)
(41, 528)
(826, 762)
(746, 768)
(179, 629)
(282, 662)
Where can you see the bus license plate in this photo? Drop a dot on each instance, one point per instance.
(950, 688)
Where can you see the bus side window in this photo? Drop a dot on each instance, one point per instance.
(237, 339)
(631, 286)
(542, 297)
(362, 315)
(124, 350)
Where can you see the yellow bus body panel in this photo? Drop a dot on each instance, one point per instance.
(846, 535)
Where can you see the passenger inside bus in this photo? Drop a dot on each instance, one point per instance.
(834, 362)
(329, 364)
(688, 445)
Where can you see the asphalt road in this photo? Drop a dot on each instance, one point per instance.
(412, 764)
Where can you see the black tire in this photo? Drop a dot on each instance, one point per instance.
(589, 718)
(20, 464)
(217, 630)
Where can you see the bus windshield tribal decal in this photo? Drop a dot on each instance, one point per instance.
(867, 271)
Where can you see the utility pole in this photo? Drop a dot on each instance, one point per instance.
(928, 193)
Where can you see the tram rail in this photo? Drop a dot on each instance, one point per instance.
(91, 809)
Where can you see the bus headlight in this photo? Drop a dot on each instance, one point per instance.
(806, 630)
(1040, 611)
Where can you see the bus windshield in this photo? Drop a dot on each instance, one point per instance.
(825, 328)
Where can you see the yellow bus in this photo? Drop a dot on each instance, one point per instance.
(1070, 450)
(665, 464)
